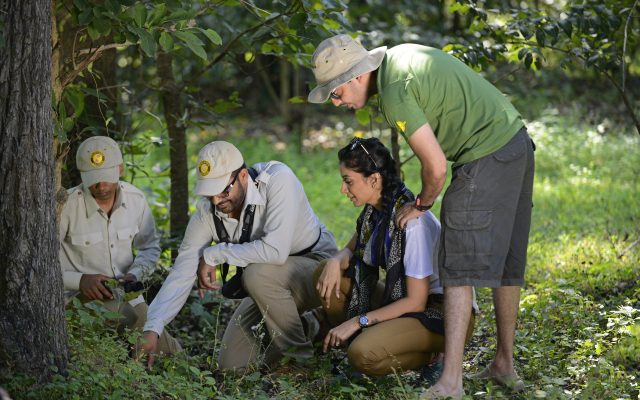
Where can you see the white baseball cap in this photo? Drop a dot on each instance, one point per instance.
(98, 159)
(216, 162)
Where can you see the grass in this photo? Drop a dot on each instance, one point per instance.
(578, 333)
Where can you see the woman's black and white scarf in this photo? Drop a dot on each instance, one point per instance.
(380, 244)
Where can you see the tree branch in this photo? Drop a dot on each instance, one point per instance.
(223, 54)
(507, 74)
(624, 50)
(68, 78)
(103, 47)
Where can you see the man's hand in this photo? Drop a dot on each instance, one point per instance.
(329, 280)
(150, 347)
(91, 286)
(128, 277)
(206, 277)
(406, 213)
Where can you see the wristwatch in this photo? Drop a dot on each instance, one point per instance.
(363, 321)
(423, 208)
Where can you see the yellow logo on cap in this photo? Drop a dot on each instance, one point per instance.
(97, 158)
(204, 168)
(401, 125)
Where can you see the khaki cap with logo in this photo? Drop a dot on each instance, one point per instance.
(338, 60)
(216, 162)
(98, 159)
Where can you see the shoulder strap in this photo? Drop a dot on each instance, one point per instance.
(247, 226)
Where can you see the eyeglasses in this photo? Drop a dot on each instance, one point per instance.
(333, 95)
(225, 193)
(357, 141)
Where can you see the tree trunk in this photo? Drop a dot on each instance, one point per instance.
(285, 92)
(179, 212)
(33, 334)
(395, 152)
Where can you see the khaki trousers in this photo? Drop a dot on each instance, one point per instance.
(269, 324)
(400, 344)
(134, 319)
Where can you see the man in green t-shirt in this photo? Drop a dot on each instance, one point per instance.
(446, 111)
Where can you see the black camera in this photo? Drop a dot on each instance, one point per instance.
(128, 286)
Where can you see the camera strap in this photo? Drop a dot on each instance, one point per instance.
(247, 225)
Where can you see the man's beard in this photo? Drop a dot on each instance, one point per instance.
(236, 201)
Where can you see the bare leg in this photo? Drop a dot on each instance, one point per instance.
(457, 312)
(506, 301)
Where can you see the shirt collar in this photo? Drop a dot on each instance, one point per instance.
(91, 204)
(253, 197)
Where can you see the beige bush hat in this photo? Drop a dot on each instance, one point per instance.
(216, 162)
(338, 60)
(98, 159)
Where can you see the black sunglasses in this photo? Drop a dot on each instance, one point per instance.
(225, 193)
(357, 141)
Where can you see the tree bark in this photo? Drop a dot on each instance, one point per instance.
(395, 152)
(179, 211)
(33, 334)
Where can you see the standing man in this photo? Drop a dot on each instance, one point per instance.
(99, 222)
(446, 111)
(284, 244)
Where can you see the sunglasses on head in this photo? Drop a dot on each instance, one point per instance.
(357, 141)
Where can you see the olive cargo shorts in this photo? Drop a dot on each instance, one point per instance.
(486, 217)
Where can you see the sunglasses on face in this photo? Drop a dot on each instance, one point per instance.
(357, 141)
(225, 192)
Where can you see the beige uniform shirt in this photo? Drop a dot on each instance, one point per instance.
(284, 223)
(93, 243)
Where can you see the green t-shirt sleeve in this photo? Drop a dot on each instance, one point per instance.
(401, 110)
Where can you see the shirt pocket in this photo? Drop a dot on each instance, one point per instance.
(125, 239)
(467, 240)
(87, 247)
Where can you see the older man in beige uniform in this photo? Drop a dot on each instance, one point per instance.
(100, 221)
(287, 242)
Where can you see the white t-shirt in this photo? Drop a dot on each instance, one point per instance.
(421, 253)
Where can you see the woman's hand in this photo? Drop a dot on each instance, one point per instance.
(329, 280)
(338, 336)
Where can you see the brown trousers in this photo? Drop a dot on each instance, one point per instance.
(134, 319)
(400, 344)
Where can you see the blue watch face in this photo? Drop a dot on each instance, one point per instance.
(364, 320)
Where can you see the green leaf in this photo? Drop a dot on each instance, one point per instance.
(180, 16)
(127, 3)
(60, 133)
(578, 9)
(522, 53)
(119, 37)
(526, 33)
(600, 8)
(482, 13)
(551, 30)
(166, 41)
(454, 7)
(298, 21)
(85, 17)
(125, 17)
(67, 125)
(81, 4)
(174, 5)
(62, 112)
(74, 17)
(594, 20)
(76, 98)
(212, 35)
(188, 37)
(149, 45)
(364, 116)
(103, 26)
(197, 49)
(528, 60)
(131, 37)
(111, 314)
(113, 6)
(157, 15)
(540, 37)
(614, 22)
(140, 15)
(566, 26)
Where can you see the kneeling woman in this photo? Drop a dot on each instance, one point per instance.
(399, 323)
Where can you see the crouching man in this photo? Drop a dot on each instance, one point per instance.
(266, 227)
(100, 221)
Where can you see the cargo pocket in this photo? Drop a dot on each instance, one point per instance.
(511, 151)
(467, 240)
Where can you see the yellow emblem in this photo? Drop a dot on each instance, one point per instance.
(401, 125)
(204, 168)
(97, 158)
